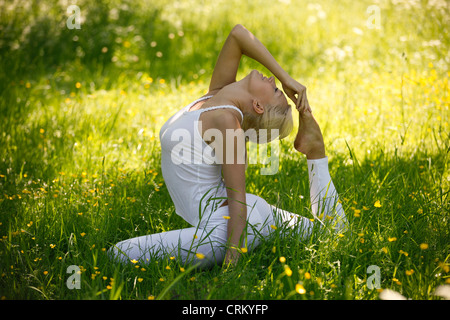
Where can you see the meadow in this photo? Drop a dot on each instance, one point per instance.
(81, 109)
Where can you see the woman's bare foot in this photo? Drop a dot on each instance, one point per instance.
(309, 139)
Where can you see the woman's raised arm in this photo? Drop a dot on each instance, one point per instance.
(240, 42)
(227, 63)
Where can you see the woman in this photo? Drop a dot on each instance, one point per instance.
(226, 220)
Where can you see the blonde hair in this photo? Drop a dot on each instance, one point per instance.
(258, 127)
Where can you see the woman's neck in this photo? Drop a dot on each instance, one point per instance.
(232, 94)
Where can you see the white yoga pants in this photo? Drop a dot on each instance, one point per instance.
(206, 243)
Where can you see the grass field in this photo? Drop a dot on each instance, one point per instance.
(81, 109)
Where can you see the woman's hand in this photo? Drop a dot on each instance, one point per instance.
(231, 257)
(297, 93)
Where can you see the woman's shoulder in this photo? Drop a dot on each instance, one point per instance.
(211, 93)
(226, 118)
(220, 115)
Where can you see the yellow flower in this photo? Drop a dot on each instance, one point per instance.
(282, 259)
(167, 268)
(403, 252)
(200, 256)
(133, 261)
(273, 227)
(300, 289)
(83, 234)
(45, 272)
(288, 271)
(377, 204)
(307, 275)
(151, 297)
(444, 267)
(424, 246)
(226, 217)
(140, 279)
(244, 250)
(384, 249)
(52, 245)
(78, 85)
(182, 269)
(357, 213)
(409, 272)
(392, 239)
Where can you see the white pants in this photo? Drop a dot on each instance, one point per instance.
(206, 243)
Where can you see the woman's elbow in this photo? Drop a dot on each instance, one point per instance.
(237, 29)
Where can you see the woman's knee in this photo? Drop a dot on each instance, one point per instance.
(138, 249)
(121, 251)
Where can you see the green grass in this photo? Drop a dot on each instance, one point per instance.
(80, 113)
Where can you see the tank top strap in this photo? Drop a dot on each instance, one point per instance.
(223, 107)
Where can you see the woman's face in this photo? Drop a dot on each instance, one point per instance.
(265, 90)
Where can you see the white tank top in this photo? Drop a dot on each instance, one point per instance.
(189, 168)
